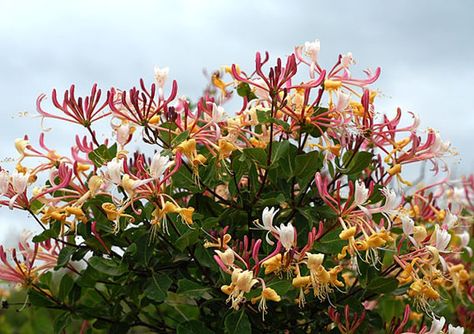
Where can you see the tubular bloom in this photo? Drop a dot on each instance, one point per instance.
(293, 207)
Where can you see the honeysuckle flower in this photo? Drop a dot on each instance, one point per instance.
(347, 60)
(242, 282)
(268, 215)
(440, 238)
(311, 49)
(114, 170)
(391, 202)
(322, 280)
(227, 256)
(450, 220)
(124, 133)
(361, 194)
(186, 214)
(4, 182)
(439, 147)
(82, 110)
(267, 294)
(437, 325)
(161, 75)
(343, 100)
(464, 238)
(423, 292)
(286, 235)
(408, 225)
(158, 166)
(218, 113)
(19, 181)
(455, 330)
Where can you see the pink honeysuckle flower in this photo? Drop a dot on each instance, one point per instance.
(83, 111)
(140, 105)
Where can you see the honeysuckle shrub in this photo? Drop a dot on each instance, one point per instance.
(288, 212)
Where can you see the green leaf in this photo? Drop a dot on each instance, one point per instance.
(64, 256)
(279, 150)
(237, 322)
(356, 164)
(190, 237)
(193, 327)
(101, 155)
(38, 299)
(330, 243)
(180, 138)
(61, 322)
(108, 267)
(157, 287)
(36, 206)
(382, 285)
(184, 179)
(306, 165)
(50, 233)
(191, 289)
(65, 287)
(144, 250)
(244, 90)
(281, 286)
(256, 154)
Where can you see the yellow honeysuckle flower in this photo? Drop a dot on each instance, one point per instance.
(94, 184)
(332, 84)
(348, 233)
(187, 147)
(221, 243)
(267, 294)
(225, 148)
(114, 214)
(186, 214)
(422, 292)
(53, 213)
(273, 264)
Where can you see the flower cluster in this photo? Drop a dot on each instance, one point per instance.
(295, 205)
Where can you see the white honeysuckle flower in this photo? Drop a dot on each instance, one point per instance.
(361, 194)
(21, 144)
(437, 325)
(161, 75)
(4, 182)
(227, 256)
(218, 113)
(245, 281)
(159, 164)
(114, 170)
(391, 202)
(455, 330)
(465, 238)
(123, 133)
(442, 238)
(286, 234)
(268, 215)
(439, 147)
(347, 60)
(450, 220)
(343, 100)
(267, 223)
(408, 225)
(311, 49)
(20, 181)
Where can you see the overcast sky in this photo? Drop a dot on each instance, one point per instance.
(425, 49)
